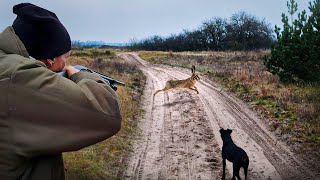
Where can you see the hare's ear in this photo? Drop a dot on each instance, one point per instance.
(193, 69)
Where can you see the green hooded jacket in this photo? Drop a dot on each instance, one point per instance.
(43, 114)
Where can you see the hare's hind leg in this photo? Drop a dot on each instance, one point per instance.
(167, 87)
(157, 92)
(164, 89)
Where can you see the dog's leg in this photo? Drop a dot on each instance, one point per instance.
(224, 169)
(236, 169)
(246, 170)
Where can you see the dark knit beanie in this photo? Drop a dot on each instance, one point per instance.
(41, 32)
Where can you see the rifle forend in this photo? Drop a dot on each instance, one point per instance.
(112, 82)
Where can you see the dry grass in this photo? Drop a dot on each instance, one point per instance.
(104, 160)
(293, 109)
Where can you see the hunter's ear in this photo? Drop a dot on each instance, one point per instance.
(229, 131)
(48, 62)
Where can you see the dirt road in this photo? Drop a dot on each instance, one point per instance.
(181, 139)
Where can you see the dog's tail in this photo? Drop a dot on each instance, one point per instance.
(245, 161)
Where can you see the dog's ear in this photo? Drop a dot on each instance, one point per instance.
(229, 131)
(221, 130)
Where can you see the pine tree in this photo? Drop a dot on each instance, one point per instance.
(296, 55)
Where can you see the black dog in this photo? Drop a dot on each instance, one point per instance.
(234, 154)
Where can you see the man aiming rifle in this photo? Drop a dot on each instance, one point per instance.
(43, 114)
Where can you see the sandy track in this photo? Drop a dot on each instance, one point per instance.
(181, 139)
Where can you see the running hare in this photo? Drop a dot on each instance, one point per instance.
(182, 84)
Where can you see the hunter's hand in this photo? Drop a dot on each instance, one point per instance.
(70, 70)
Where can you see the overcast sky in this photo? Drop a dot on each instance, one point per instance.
(118, 21)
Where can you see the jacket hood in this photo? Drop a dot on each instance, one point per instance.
(11, 44)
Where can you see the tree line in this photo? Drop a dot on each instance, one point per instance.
(295, 51)
(242, 31)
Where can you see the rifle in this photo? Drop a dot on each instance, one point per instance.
(112, 82)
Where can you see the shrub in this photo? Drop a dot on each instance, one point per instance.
(295, 56)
